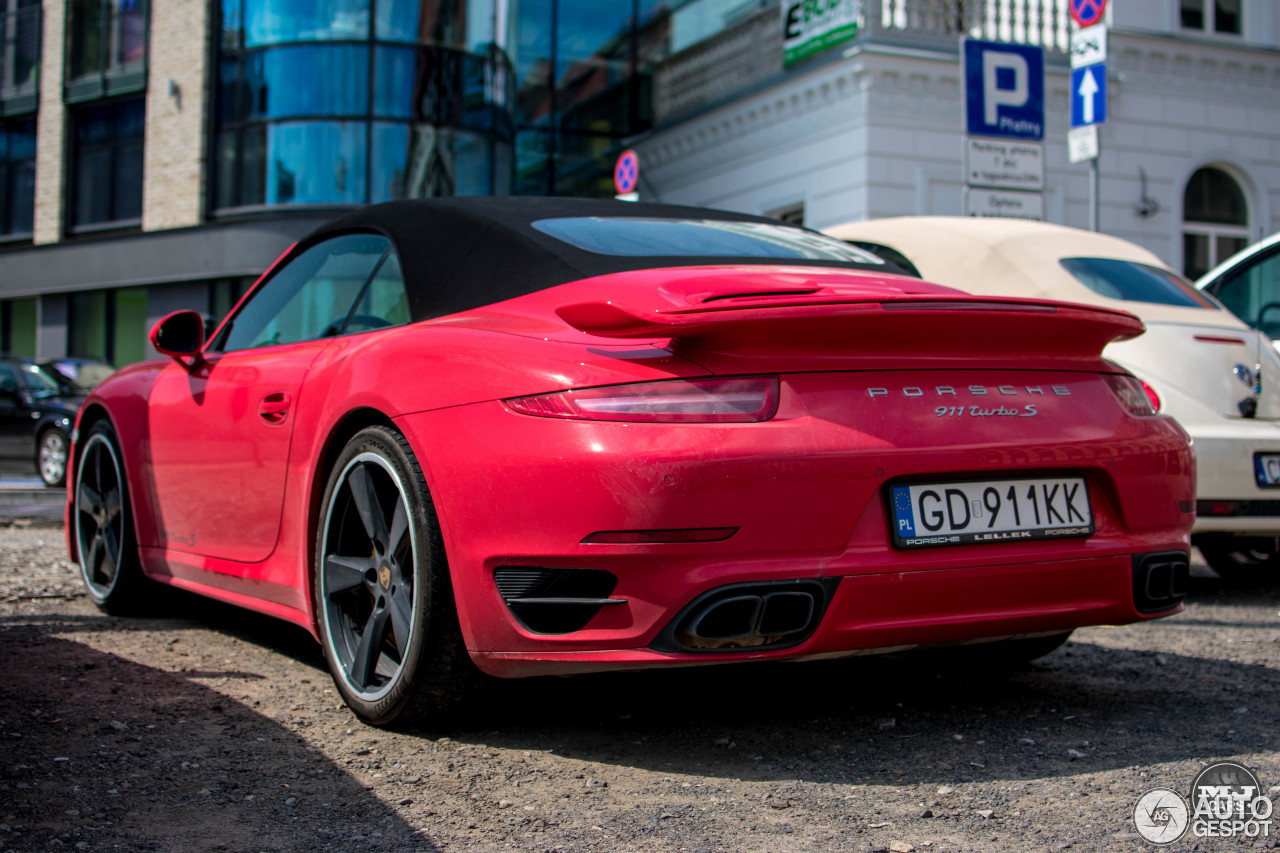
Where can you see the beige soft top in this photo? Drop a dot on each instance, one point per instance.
(1016, 257)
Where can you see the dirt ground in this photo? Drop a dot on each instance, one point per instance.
(215, 730)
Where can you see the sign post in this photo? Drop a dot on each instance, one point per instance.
(1004, 125)
(1088, 91)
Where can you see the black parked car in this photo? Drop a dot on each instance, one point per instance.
(36, 415)
(77, 376)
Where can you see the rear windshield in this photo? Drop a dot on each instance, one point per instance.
(1134, 282)
(637, 237)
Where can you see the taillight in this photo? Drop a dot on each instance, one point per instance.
(1134, 394)
(734, 399)
(1152, 396)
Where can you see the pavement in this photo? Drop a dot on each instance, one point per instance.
(24, 496)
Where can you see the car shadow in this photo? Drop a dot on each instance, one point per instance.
(1092, 706)
(99, 751)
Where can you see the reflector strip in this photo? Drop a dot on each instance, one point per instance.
(1209, 339)
(638, 537)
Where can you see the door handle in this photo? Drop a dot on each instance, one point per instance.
(274, 407)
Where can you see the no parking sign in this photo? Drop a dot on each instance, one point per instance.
(1086, 13)
(626, 173)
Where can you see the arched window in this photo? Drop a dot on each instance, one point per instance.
(1215, 221)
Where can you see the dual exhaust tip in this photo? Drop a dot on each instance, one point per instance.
(750, 616)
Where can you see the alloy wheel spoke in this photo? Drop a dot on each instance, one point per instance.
(90, 502)
(111, 505)
(399, 525)
(109, 567)
(367, 505)
(401, 607)
(112, 545)
(94, 559)
(342, 573)
(367, 652)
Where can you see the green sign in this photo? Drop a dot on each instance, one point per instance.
(812, 26)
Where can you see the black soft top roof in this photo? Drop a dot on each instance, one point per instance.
(462, 253)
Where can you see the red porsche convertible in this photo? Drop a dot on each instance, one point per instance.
(529, 436)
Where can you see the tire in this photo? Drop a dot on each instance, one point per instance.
(384, 603)
(51, 457)
(1240, 559)
(106, 545)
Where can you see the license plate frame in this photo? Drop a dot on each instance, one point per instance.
(1266, 470)
(1050, 490)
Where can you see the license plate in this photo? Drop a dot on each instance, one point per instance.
(1266, 469)
(980, 511)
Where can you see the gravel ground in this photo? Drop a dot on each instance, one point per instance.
(211, 729)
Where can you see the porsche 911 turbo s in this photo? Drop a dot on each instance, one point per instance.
(520, 436)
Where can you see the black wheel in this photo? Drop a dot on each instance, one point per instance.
(385, 606)
(1240, 559)
(51, 457)
(105, 545)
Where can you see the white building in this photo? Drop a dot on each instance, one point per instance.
(1190, 152)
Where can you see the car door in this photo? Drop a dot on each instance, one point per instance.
(1251, 291)
(220, 434)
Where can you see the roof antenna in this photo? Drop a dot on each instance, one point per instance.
(1148, 206)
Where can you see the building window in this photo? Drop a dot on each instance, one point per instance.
(584, 85)
(106, 165)
(1212, 16)
(110, 325)
(106, 48)
(17, 177)
(330, 103)
(19, 55)
(18, 321)
(1215, 221)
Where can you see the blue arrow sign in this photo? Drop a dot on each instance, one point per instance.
(1089, 95)
(1004, 89)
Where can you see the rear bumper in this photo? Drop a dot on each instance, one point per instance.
(806, 498)
(1225, 472)
(891, 612)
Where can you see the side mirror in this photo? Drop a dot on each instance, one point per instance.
(179, 335)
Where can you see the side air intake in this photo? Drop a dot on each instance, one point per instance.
(555, 601)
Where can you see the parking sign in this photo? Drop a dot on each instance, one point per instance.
(1004, 89)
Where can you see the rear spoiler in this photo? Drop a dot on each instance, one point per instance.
(911, 326)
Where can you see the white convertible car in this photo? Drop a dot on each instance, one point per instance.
(1216, 375)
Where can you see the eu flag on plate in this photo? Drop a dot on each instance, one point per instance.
(904, 518)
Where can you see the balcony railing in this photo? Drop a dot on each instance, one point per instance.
(749, 50)
(19, 60)
(1040, 22)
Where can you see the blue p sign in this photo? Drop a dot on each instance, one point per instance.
(1004, 89)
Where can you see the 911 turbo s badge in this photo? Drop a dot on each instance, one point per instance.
(1027, 411)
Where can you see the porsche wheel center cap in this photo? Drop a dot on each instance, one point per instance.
(384, 577)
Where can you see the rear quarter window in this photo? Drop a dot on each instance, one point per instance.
(1133, 282)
